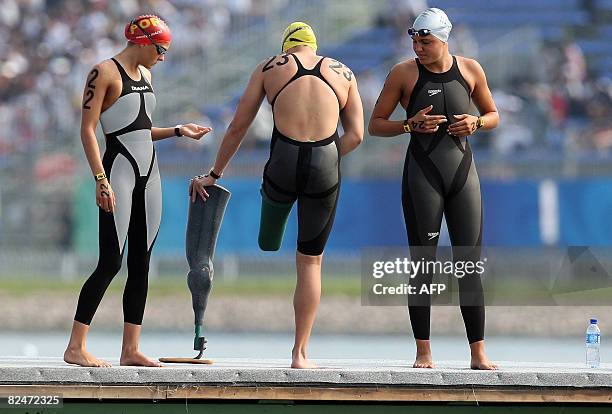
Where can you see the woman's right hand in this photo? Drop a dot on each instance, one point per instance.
(426, 124)
(198, 185)
(105, 197)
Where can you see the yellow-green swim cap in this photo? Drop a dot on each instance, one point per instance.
(299, 33)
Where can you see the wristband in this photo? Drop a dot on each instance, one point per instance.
(407, 126)
(480, 123)
(214, 175)
(177, 131)
(100, 176)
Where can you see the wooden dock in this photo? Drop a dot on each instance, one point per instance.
(337, 381)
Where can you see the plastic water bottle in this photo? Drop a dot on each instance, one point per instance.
(593, 335)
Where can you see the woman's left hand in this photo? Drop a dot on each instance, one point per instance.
(194, 131)
(466, 125)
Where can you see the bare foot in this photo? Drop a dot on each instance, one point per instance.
(302, 363)
(137, 358)
(423, 354)
(83, 358)
(479, 357)
(423, 361)
(482, 362)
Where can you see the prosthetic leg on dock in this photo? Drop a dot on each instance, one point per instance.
(205, 219)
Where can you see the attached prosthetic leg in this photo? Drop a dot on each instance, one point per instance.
(205, 219)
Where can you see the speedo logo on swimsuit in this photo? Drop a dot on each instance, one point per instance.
(433, 235)
(140, 88)
(433, 92)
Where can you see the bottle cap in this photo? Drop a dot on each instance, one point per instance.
(594, 321)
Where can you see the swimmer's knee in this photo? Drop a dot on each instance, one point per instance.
(108, 267)
(316, 259)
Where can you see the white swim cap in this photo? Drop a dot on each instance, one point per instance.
(436, 21)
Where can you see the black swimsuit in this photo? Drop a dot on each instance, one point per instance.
(308, 172)
(440, 178)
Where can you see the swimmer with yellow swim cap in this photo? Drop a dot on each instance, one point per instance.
(309, 94)
(299, 34)
(119, 95)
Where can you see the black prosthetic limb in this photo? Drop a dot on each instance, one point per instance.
(205, 219)
(203, 225)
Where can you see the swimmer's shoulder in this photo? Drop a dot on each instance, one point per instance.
(273, 62)
(403, 74)
(469, 65)
(406, 68)
(103, 72)
(466, 61)
(471, 71)
(337, 70)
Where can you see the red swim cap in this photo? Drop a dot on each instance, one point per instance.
(155, 27)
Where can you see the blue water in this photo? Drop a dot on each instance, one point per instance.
(263, 345)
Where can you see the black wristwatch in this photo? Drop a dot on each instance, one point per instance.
(214, 175)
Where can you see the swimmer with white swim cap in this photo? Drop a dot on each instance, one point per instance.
(439, 180)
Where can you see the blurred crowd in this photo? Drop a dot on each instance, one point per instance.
(48, 46)
(570, 111)
(558, 105)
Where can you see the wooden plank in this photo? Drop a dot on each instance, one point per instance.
(414, 394)
(320, 393)
(112, 392)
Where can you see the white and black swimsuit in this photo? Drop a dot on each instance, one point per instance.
(131, 165)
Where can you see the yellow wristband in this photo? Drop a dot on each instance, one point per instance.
(407, 126)
(100, 176)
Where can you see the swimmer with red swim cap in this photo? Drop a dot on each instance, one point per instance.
(119, 94)
(149, 30)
